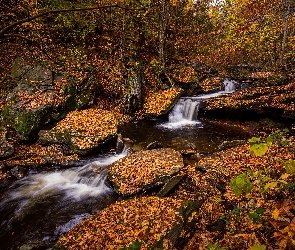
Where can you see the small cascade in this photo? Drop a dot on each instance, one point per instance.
(229, 86)
(185, 111)
(66, 196)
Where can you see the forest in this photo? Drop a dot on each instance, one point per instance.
(77, 79)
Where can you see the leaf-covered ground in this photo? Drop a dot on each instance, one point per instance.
(247, 203)
(257, 98)
(265, 216)
(145, 220)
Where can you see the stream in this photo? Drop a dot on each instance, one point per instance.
(37, 209)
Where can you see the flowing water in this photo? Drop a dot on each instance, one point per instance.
(38, 209)
(185, 112)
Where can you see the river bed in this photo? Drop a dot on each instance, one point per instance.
(37, 209)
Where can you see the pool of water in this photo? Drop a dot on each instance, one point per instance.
(204, 136)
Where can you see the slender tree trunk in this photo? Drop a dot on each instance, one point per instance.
(162, 32)
(164, 19)
(285, 34)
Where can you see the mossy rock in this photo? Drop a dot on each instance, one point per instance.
(29, 105)
(156, 223)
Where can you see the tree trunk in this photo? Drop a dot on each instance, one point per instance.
(285, 34)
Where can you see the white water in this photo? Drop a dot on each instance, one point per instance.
(74, 183)
(185, 111)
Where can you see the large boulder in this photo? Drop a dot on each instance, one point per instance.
(148, 222)
(161, 102)
(144, 170)
(28, 106)
(69, 96)
(82, 130)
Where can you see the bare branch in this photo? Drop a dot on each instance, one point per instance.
(28, 19)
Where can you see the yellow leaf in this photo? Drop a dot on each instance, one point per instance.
(275, 213)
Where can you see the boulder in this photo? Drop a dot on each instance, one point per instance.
(28, 106)
(144, 170)
(82, 130)
(148, 222)
(161, 102)
(69, 96)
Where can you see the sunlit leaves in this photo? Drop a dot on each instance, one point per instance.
(241, 184)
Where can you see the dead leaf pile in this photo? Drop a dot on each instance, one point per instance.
(158, 102)
(84, 129)
(211, 84)
(35, 154)
(38, 99)
(144, 169)
(239, 222)
(146, 220)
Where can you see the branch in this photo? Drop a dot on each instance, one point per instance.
(28, 19)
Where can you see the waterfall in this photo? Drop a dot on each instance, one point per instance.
(185, 111)
(229, 86)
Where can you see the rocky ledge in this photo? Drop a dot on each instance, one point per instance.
(144, 170)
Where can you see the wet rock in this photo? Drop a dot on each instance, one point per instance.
(230, 144)
(170, 185)
(128, 146)
(154, 145)
(157, 223)
(119, 144)
(144, 170)
(271, 100)
(17, 173)
(82, 131)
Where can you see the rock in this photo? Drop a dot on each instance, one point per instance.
(119, 144)
(83, 130)
(154, 145)
(144, 170)
(161, 102)
(28, 106)
(17, 172)
(230, 144)
(156, 223)
(6, 144)
(272, 100)
(170, 185)
(69, 98)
